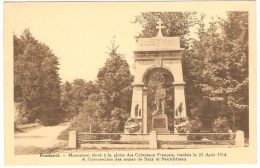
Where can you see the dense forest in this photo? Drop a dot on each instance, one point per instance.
(36, 81)
(215, 67)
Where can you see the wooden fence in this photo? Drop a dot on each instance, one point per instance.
(155, 140)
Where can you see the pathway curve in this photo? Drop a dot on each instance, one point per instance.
(38, 138)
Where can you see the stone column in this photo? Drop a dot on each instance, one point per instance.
(179, 97)
(153, 140)
(137, 101)
(240, 141)
(137, 104)
(144, 109)
(73, 139)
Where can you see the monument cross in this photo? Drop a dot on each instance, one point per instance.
(160, 27)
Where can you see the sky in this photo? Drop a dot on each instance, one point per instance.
(79, 34)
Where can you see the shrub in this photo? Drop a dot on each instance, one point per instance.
(220, 125)
(51, 116)
(21, 112)
(194, 126)
(64, 135)
(90, 116)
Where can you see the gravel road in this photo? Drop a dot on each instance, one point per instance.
(38, 139)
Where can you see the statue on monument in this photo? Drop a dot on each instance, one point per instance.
(179, 110)
(160, 96)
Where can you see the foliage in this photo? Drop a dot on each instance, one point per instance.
(107, 103)
(180, 120)
(176, 24)
(194, 126)
(114, 82)
(220, 125)
(74, 94)
(218, 64)
(36, 78)
(21, 114)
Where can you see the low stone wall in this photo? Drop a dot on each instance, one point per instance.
(193, 146)
(172, 137)
(152, 141)
(115, 146)
(138, 137)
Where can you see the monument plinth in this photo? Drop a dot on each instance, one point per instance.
(160, 123)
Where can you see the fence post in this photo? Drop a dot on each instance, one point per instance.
(73, 139)
(240, 139)
(153, 140)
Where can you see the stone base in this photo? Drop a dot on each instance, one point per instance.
(160, 123)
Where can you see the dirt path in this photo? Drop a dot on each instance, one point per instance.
(39, 139)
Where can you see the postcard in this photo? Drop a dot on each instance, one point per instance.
(145, 83)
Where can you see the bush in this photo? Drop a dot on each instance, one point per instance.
(82, 121)
(87, 117)
(220, 125)
(64, 135)
(51, 116)
(194, 126)
(20, 116)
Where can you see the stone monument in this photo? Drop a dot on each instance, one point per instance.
(160, 96)
(153, 54)
(160, 119)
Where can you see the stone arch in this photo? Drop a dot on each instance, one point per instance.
(152, 70)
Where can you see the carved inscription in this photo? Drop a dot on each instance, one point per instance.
(159, 122)
(157, 43)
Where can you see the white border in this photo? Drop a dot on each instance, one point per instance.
(110, 166)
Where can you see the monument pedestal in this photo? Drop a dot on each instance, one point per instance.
(160, 123)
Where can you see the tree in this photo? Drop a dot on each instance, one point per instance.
(79, 95)
(66, 98)
(36, 79)
(74, 94)
(219, 69)
(114, 82)
(176, 24)
(235, 30)
(107, 107)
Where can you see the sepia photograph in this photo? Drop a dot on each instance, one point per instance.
(120, 82)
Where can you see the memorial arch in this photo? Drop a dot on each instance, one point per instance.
(152, 70)
(157, 54)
